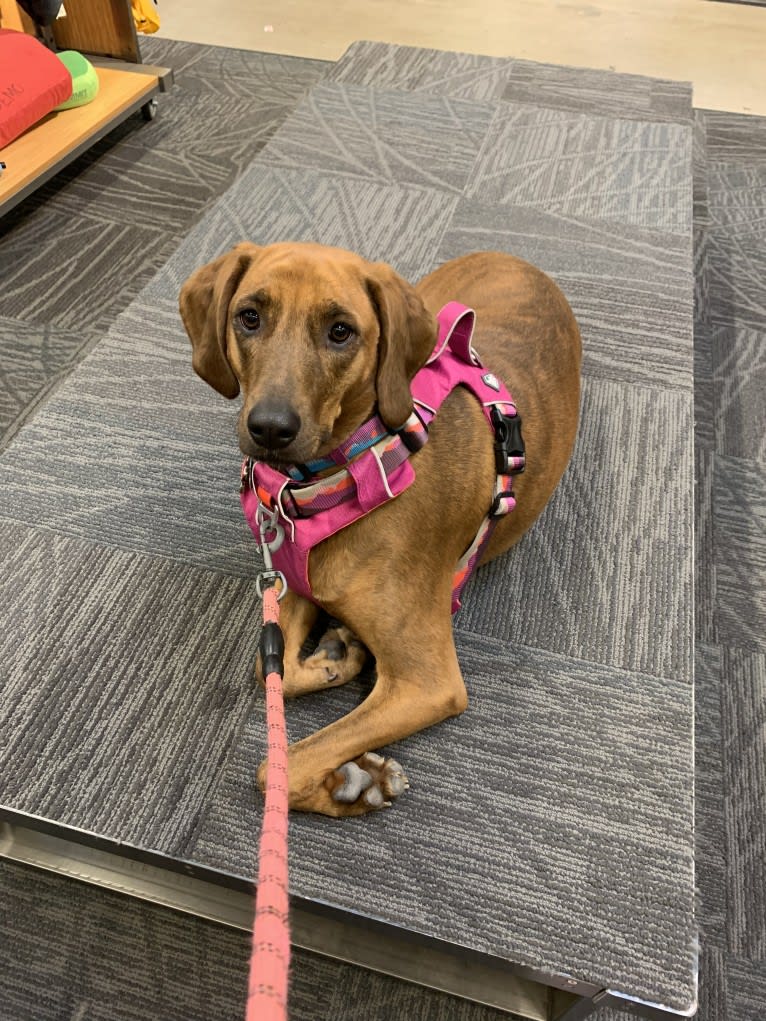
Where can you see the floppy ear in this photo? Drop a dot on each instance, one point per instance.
(204, 306)
(407, 337)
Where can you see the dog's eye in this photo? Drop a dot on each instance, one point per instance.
(250, 319)
(339, 333)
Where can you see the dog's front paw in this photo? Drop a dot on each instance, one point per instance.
(368, 783)
(362, 785)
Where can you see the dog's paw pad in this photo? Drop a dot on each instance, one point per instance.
(332, 648)
(371, 778)
(353, 781)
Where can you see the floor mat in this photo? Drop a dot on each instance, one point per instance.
(74, 951)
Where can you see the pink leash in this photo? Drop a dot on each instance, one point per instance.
(270, 958)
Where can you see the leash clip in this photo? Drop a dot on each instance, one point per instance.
(272, 535)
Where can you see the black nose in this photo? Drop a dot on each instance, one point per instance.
(273, 425)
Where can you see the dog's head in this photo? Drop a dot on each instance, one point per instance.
(316, 339)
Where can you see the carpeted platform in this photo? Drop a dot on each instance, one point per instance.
(617, 272)
(121, 497)
(730, 383)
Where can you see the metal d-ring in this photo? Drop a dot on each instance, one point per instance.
(270, 578)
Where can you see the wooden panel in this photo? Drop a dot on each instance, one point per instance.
(52, 138)
(98, 26)
(12, 16)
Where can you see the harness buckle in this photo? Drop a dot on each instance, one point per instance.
(267, 579)
(412, 441)
(509, 443)
(293, 510)
(497, 510)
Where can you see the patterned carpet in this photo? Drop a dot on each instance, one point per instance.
(730, 397)
(622, 260)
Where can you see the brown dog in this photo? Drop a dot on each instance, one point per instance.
(260, 320)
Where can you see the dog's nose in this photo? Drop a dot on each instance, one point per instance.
(272, 425)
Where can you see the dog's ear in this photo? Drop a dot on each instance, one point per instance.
(204, 306)
(407, 337)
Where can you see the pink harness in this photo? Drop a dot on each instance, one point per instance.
(373, 465)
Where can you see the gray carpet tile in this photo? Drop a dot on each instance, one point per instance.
(738, 237)
(700, 235)
(522, 81)
(737, 268)
(730, 693)
(48, 260)
(412, 69)
(124, 680)
(492, 823)
(737, 192)
(581, 165)
(739, 515)
(145, 455)
(629, 288)
(704, 403)
(606, 520)
(713, 993)
(601, 93)
(705, 396)
(705, 603)
(378, 135)
(77, 952)
(743, 734)
(711, 860)
(732, 137)
(739, 379)
(276, 204)
(557, 160)
(269, 78)
(34, 358)
(746, 989)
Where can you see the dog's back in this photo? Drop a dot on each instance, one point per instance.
(526, 334)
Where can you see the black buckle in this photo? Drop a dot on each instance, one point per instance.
(508, 440)
(494, 510)
(411, 443)
(297, 512)
(303, 471)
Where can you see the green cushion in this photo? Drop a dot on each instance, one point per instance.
(84, 79)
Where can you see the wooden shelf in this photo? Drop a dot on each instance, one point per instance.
(104, 31)
(60, 137)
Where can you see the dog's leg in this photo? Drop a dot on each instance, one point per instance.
(338, 658)
(419, 683)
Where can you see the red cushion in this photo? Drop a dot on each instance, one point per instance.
(32, 82)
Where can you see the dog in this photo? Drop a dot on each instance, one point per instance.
(317, 340)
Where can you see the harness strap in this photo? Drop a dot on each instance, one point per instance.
(380, 448)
